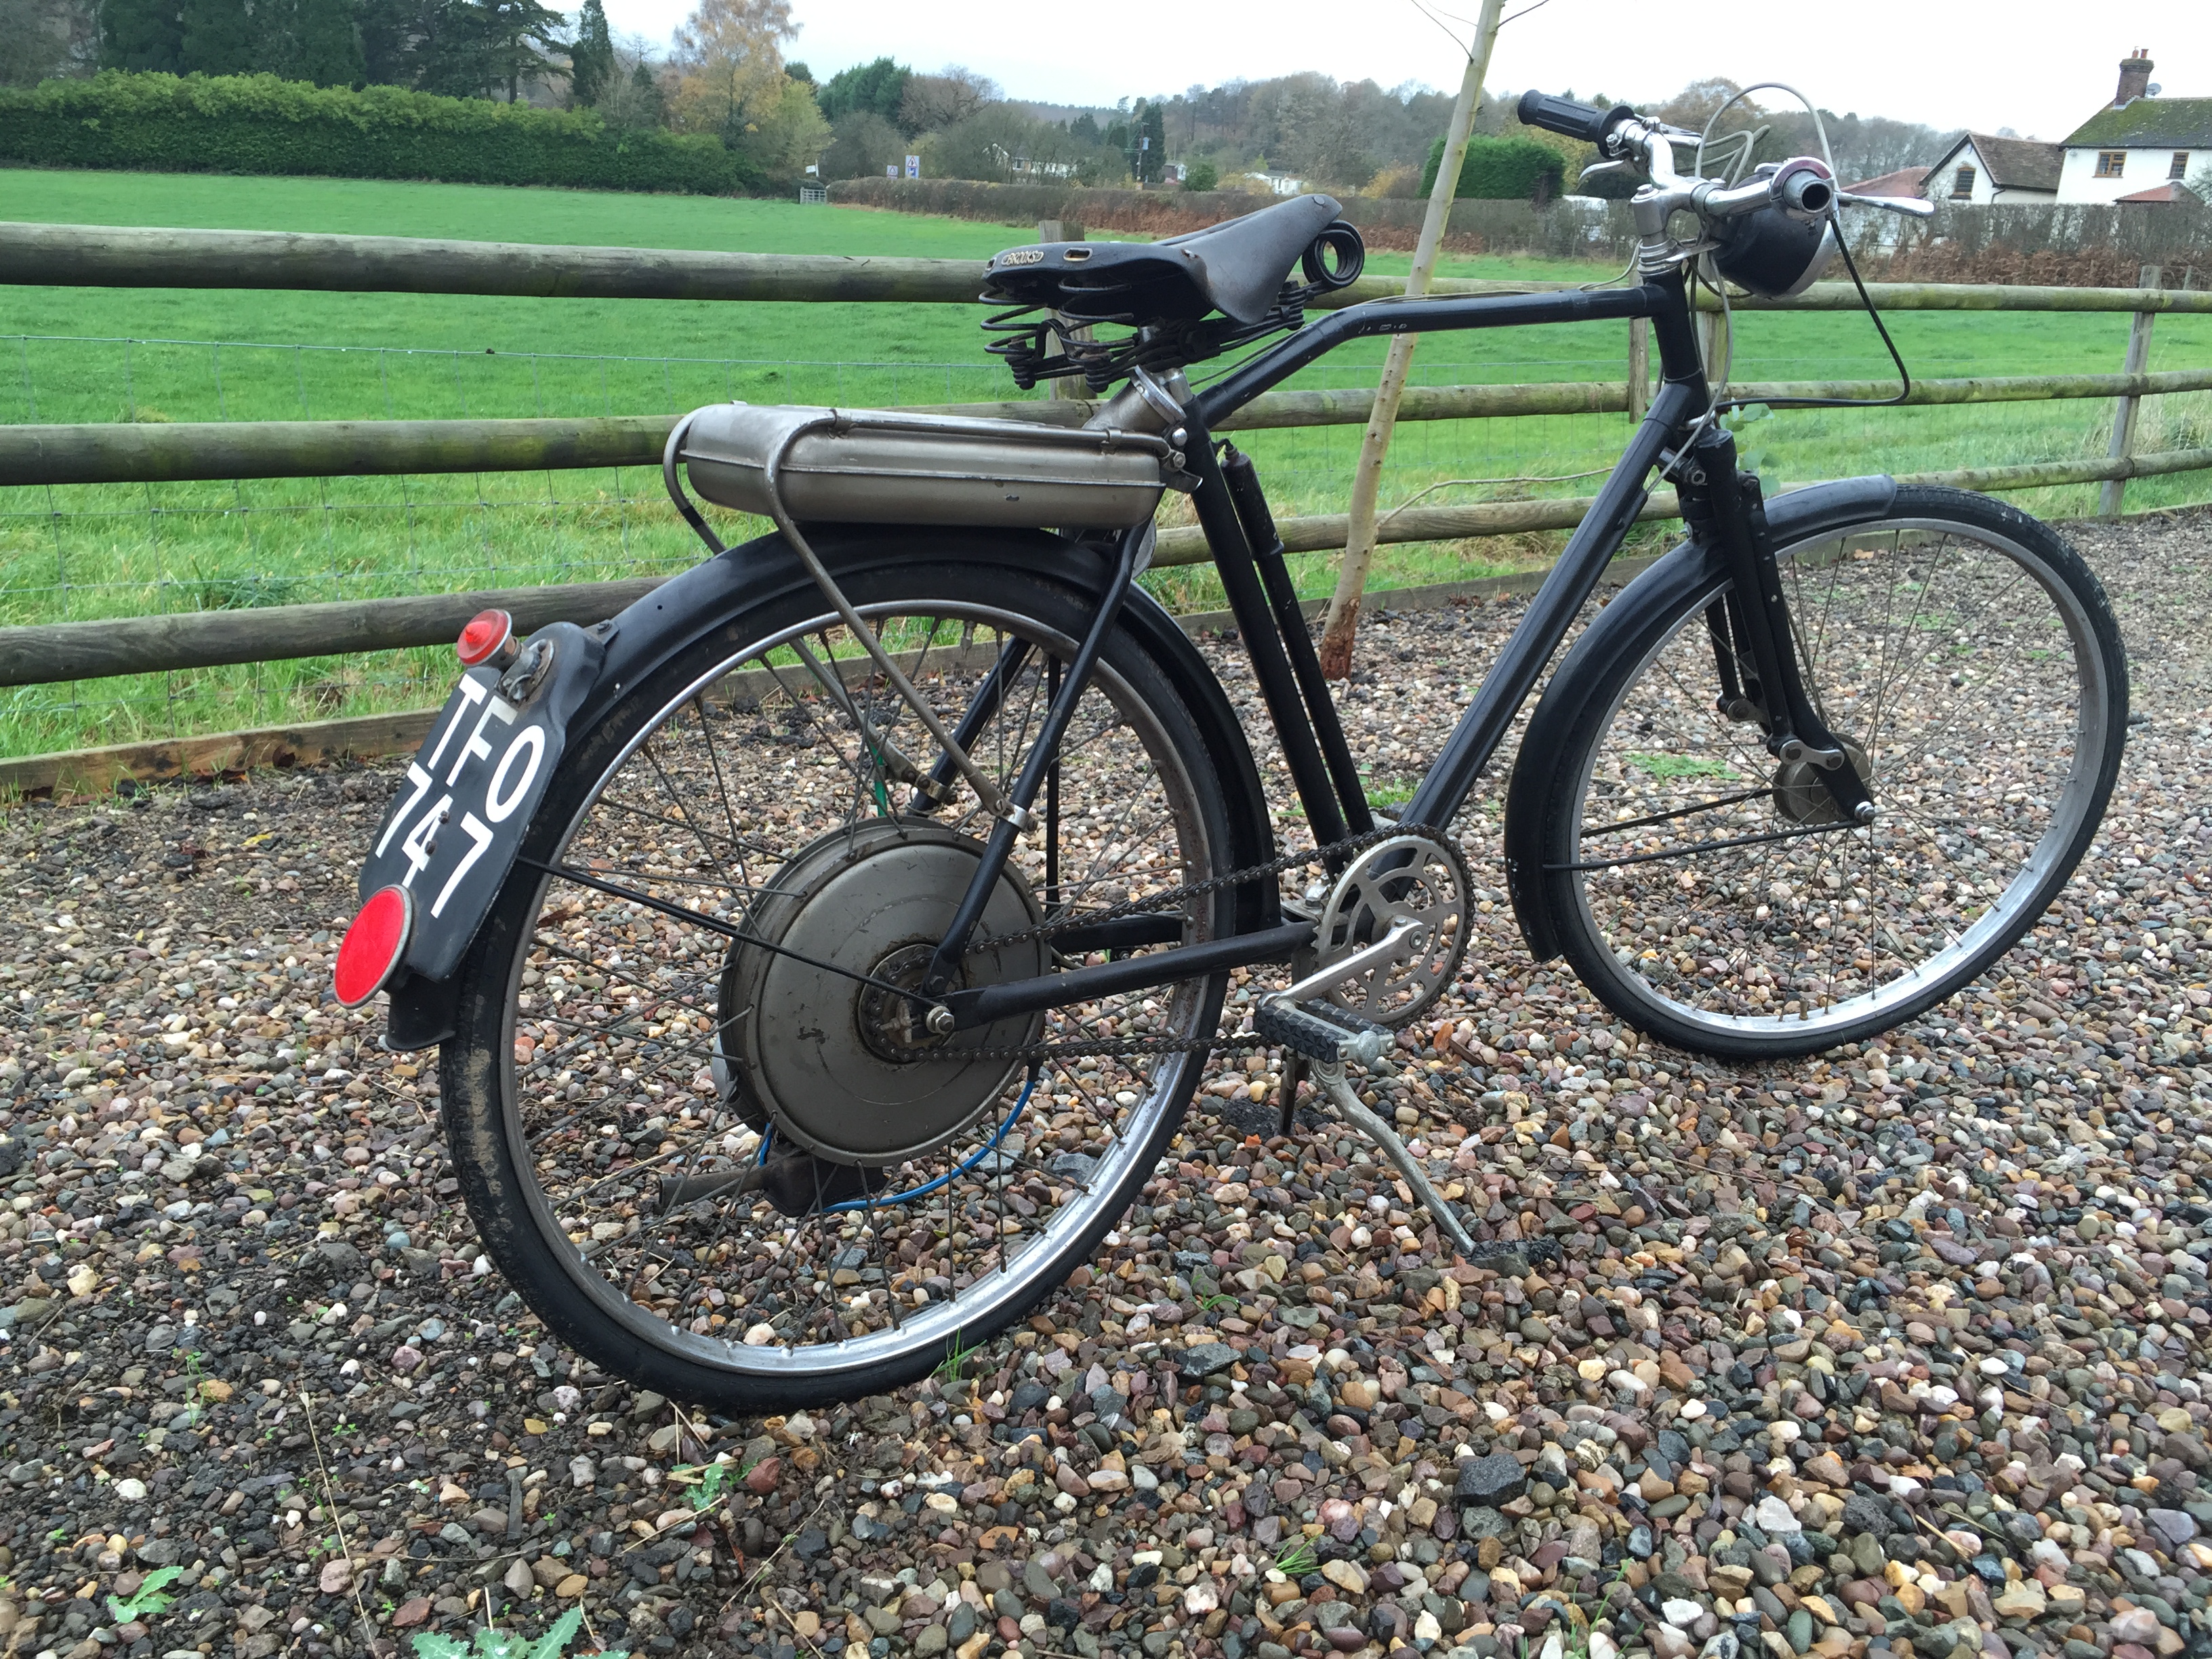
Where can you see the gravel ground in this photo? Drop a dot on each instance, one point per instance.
(1898, 1351)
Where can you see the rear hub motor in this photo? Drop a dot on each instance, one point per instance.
(848, 1069)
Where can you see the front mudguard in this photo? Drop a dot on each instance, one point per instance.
(1689, 569)
(695, 604)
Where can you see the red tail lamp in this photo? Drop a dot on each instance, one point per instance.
(488, 637)
(371, 952)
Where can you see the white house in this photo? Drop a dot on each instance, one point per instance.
(2137, 149)
(2141, 147)
(1982, 168)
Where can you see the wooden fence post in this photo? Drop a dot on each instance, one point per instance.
(1068, 387)
(2125, 409)
(1639, 366)
(1712, 341)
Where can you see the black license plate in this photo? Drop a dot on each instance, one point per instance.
(457, 821)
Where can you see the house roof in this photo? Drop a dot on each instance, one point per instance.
(2161, 195)
(2020, 163)
(1906, 181)
(2010, 163)
(2148, 124)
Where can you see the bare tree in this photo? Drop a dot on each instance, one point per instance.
(864, 145)
(636, 96)
(934, 102)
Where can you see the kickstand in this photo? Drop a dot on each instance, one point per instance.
(1329, 1076)
(1294, 1074)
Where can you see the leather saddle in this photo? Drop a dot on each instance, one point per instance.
(1237, 267)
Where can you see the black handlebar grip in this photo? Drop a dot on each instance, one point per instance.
(1584, 121)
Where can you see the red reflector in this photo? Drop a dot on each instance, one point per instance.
(484, 637)
(370, 952)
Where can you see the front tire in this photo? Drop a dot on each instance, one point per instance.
(1968, 660)
(593, 1062)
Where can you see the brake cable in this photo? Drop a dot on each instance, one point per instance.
(1721, 402)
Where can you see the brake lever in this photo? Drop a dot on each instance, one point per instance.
(1911, 206)
(1596, 167)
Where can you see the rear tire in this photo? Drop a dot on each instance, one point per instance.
(1967, 653)
(588, 1028)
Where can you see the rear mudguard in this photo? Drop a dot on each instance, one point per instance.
(706, 598)
(1691, 567)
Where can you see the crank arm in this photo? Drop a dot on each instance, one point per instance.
(1381, 953)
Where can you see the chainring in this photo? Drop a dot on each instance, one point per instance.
(827, 1055)
(1411, 875)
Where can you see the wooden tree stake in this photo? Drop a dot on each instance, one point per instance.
(1337, 634)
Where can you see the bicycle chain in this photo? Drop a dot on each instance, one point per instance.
(1152, 901)
(1131, 1048)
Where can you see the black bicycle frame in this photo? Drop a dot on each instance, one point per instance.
(1715, 500)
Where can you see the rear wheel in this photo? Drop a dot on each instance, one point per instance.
(695, 1124)
(1968, 662)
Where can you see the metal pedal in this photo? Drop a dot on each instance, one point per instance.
(1320, 1032)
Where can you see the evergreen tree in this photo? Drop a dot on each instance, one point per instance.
(220, 37)
(878, 88)
(142, 34)
(311, 40)
(515, 33)
(1150, 163)
(388, 35)
(443, 47)
(592, 58)
(648, 105)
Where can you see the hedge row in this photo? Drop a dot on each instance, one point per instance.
(258, 124)
(1501, 170)
(1385, 223)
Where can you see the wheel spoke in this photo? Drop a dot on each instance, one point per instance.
(690, 876)
(1946, 657)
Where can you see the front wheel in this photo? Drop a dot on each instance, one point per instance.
(694, 1121)
(1968, 662)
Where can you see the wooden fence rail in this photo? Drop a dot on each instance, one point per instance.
(101, 256)
(220, 450)
(42, 653)
(109, 256)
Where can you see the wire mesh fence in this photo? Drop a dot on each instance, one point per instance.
(86, 552)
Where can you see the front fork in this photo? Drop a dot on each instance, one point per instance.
(1750, 626)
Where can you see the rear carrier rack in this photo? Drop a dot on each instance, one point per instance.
(867, 467)
(804, 465)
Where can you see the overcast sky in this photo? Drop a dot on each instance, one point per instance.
(2036, 65)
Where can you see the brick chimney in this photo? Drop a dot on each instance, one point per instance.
(2135, 78)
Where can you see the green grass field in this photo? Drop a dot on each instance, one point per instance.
(115, 355)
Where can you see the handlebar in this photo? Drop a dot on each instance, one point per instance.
(1563, 115)
(1802, 188)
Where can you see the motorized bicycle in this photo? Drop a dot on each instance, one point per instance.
(824, 951)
